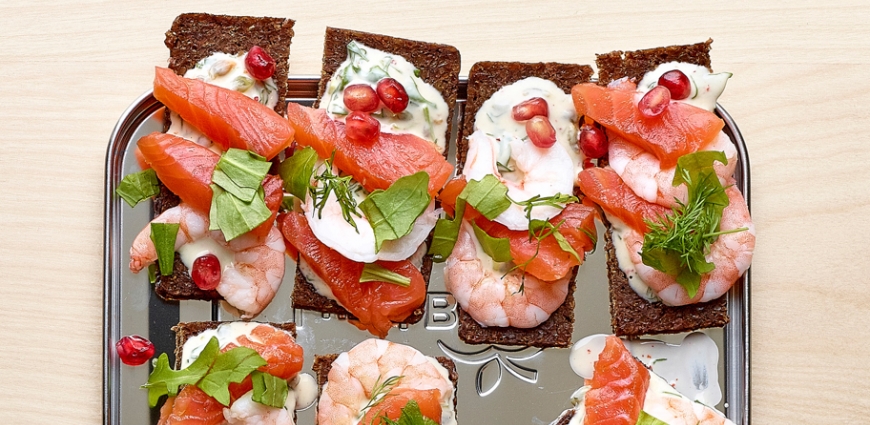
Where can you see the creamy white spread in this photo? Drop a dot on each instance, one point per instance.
(427, 113)
(189, 252)
(683, 375)
(227, 71)
(623, 257)
(706, 87)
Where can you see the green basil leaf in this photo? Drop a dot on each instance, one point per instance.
(163, 235)
(269, 389)
(231, 366)
(165, 381)
(373, 272)
(241, 173)
(487, 195)
(235, 217)
(297, 170)
(392, 212)
(647, 419)
(137, 187)
(499, 249)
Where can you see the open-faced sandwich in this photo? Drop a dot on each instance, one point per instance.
(382, 382)
(370, 159)
(517, 232)
(216, 202)
(679, 231)
(232, 373)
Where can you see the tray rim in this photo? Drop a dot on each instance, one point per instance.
(736, 333)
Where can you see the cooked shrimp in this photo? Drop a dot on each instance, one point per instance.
(354, 375)
(492, 297)
(535, 172)
(642, 172)
(245, 411)
(731, 253)
(252, 267)
(680, 410)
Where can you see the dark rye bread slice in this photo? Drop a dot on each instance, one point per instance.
(631, 315)
(185, 330)
(323, 364)
(196, 36)
(439, 66)
(484, 79)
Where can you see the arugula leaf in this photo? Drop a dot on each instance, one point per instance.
(241, 173)
(137, 187)
(297, 170)
(269, 389)
(235, 217)
(163, 235)
(499, 249)
(487, 195)
(230, 366)
(647, 419)
(373, 272)
(446, 233)
(411, 415)
(165, 381)
(677, 243)
(392, 212)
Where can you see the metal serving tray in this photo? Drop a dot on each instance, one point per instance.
(507, 385)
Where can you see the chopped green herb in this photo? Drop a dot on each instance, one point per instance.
(392, 212)
(163, 235)
(380, 389)
(329, 182)
(373, 272)
(137, 187)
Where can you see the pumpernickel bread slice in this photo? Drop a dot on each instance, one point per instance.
(632, 315)
(484, 79)
(196, 36)
(439, 66)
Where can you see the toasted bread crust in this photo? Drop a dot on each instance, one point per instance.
(486, 78)
(634, 64)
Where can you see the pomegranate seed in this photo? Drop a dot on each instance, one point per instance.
(529, 108)
(654, 102)
(259, 64)
(361, 97)
(134, 350)
(206, 272)
(541, 132)
(588, 163)
(362, 128)
(677, 83)
(593, 141)
(393, 95)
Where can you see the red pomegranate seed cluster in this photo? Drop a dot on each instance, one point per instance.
(673, 84)
(362, 100)
(535, 112)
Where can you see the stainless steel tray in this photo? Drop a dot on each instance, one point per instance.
(510, 385)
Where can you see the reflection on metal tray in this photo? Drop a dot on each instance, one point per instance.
(496, 385)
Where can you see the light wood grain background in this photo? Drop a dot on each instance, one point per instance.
(800, 95)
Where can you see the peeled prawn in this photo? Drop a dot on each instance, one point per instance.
(254, 270)
(354, 375)
(642, 171)
(245, 411)
(731, 253)
(493, 298)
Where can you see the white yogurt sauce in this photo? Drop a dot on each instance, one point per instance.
(706, 87)
(623, 257)
(227, 71)
(427, 113)
(189, 252)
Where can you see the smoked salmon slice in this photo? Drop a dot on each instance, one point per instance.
(681, 129)
(604, 187)
(619, 384)
(375, 166)
(376, 305)
(225, 116)
(392, 404)
(186, 169)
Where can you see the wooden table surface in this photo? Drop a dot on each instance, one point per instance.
(799, 94)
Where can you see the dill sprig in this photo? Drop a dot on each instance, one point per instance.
(329, 182)
(379, 390)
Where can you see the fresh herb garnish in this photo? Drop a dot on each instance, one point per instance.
(238, 200)
(380, 389)
(296, 172)
(410, 415)
(163, 235)
(329, 182)
(677, 243)
(373, 272)
(499, 249)
(241, 173)
(137, 187)
(269, 389)
(393, 212)
(647, 419)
